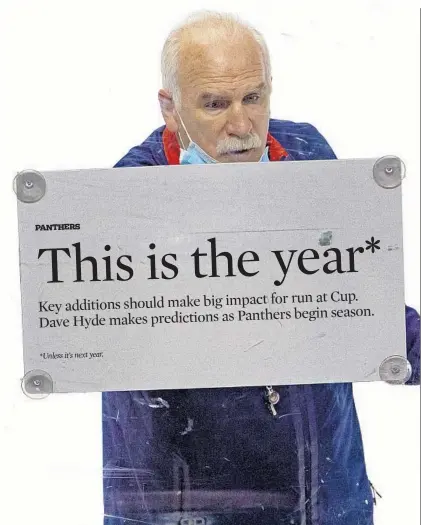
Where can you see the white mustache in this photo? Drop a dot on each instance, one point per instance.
(234, 144)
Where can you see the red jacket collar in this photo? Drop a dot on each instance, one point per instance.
(172, 148)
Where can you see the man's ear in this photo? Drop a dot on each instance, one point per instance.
(168, 110)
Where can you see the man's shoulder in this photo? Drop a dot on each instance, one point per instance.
(301, 140)
(149, 153)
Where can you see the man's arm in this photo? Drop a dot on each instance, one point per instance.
(413, 344)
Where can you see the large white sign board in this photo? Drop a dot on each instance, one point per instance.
(211, 276)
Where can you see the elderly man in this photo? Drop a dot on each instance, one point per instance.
(220, 456)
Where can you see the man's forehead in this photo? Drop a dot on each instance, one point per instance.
(211, 92)
(204, 65)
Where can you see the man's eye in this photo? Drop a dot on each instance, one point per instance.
(216, 104)
(252, 99)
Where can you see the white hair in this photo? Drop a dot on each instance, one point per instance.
(211, 22)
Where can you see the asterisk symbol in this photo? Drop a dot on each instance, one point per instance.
(373, 245)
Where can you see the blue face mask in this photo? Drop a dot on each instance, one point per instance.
(194, 154)
(265, 156)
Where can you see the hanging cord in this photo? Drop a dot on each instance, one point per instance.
(375, 493)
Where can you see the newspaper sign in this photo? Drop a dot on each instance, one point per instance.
(211, 276)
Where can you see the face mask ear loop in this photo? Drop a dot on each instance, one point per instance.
(185, 129)
(181, 140)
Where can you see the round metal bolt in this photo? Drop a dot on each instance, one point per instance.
(29, 186)
(395, 370)
(37, 384)
(389, 172)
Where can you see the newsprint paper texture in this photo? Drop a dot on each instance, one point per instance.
(212, 276)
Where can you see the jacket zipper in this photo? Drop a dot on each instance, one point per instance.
(303, 452)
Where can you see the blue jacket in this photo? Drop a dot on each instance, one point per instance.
(218, 456)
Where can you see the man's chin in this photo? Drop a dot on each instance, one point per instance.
(251, 155)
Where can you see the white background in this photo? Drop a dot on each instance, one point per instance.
(79, 88)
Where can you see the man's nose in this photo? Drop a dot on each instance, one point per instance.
(238, 123)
